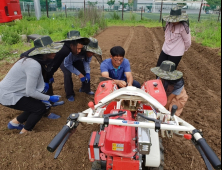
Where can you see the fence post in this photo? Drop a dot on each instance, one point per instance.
(122, 9)
(65, 11)
(24, 6)
(200, 10)
(47, 8)
(28, 10)
(219, 15)
(161, 10)
(84, 6)
(142, 13)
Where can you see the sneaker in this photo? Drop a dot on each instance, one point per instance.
(58, 103)
(19, 127)
(71, 99)
(89, 93)
(53, 116)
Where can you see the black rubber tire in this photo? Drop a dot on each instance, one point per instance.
(161, 167)
(97, 165)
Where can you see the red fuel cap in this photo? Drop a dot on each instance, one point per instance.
(187, 136)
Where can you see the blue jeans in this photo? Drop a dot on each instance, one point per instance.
(136, 84)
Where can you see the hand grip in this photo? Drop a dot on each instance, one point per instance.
(211, 156)
(58, 139)
(174, 109)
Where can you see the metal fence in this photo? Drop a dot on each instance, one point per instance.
(149, 10)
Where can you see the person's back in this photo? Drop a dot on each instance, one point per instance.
(14, 85)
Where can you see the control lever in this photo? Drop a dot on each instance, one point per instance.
(174, 109)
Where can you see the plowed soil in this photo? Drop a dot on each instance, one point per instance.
(202, 72)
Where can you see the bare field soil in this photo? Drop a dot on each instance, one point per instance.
(202, 72)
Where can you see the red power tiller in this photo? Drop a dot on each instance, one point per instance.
(130, 119)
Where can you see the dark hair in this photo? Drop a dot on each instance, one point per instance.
(117, 51)
(75, 42)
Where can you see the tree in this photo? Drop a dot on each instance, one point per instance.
(59, 3)
(124, 5)
(130, 4)
(214, 4)
(92, 4)
(111, 3)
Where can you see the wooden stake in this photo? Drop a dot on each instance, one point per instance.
(122, 9)
(219, 15)
(142, 13)
(84, 5)
(28, 10)
(66, 11)
(47, 8)
(200, 10)
(161, 10)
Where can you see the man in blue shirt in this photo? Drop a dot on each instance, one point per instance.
(118, 68)
(79, 64)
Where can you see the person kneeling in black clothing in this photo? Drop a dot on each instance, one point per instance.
(80, 66)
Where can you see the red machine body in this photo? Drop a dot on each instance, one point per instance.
(116, 145)
(118, 140)
(156, 90)
(9, 10)
(104, 89)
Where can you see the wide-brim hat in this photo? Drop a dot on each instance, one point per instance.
(45, 45)
(167, 71)
(75, 35)
(176, 15)
(93, 46)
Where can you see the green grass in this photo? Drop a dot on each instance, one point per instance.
(56, 27)
(207, 32)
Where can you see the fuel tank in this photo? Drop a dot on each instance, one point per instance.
(120, 140)
(156, 90)
(104, 89)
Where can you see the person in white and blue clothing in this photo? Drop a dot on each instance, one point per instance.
(118, 68)
(79, 65)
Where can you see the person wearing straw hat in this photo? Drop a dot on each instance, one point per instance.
(177, 36)
(173, 83)
(73, 44)
(22, 87)
(80, 66)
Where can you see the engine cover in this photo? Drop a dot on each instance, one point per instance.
(156, 90)
(120, 140)
(104, 89)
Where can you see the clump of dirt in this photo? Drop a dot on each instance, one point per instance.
(202, 72)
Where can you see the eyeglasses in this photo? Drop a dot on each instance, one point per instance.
(118, 59)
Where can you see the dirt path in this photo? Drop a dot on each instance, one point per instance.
(202, 73)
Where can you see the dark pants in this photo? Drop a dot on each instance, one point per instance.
(164, 57)
(136, 84)
(33, 111)
(68, 83)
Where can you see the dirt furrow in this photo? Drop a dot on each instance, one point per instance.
(201, 67)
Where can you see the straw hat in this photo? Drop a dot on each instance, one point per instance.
(167, 71)
(75, 35)
(45, 45)
(93, 46)
(176, 15)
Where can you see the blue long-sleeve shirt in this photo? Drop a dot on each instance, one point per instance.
(70, 59)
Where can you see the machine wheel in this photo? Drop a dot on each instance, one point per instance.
(98, 165)
(161, 167)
